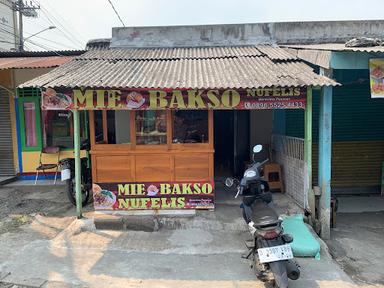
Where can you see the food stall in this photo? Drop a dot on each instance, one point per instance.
(153, 148)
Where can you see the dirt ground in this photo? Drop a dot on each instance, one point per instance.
(357, 244)
(20, 203)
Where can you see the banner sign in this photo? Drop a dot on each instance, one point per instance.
(155, 196)
(376, 71)
(152, 99)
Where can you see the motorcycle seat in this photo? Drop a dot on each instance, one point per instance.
(263, 215)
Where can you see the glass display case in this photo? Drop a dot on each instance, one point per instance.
(190, 126)
(151, 127)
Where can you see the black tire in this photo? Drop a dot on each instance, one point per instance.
(279, 271)
(71, 193)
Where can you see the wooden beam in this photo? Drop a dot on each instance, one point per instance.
(105, 126)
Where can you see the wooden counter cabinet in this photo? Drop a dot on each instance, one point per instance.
(119, 153)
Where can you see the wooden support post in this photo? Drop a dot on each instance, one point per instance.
(308, 152)
(325, 156)
(76, 136)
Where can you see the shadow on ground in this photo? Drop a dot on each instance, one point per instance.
(52, 249)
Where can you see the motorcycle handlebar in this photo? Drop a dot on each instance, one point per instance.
(240, 189)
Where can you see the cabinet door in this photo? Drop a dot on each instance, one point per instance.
(113, 168)
(153, 168)
(192, 167)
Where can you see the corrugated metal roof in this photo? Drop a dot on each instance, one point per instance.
(275, 53)
(321, 58)
(171, 53)
(336, 47)
(32, 62)
(212, 73)
(40, 53)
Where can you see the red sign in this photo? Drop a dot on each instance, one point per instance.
(154, 99)
(155, 196)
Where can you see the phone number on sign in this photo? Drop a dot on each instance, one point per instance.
(249, 105)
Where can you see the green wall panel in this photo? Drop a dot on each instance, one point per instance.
(356, 117)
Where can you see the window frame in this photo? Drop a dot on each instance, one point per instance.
(83, 129)
(177, 146)
(133, 146)
(39, 139)
(39, 122)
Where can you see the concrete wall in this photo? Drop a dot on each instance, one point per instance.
(293, 173)
(24, 75)
(29, 159)
(289, 153)
(245, 34)
(8, 26)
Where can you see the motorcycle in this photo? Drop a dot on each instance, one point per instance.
(269, 249)
(67, 167)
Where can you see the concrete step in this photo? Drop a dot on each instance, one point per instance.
(150, 223)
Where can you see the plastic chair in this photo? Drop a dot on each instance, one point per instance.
(46, 166)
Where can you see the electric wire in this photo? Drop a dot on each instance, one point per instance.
(53, 21)
(45, 48)
(117, 14)
(70, 26)
(8, 36)
(12, 35)
(73, 39)
(62, 28)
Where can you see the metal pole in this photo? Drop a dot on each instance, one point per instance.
(21, 42)
(76, 136)
(325, 156)
(308, 151)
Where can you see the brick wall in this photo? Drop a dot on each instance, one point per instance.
(288, 152)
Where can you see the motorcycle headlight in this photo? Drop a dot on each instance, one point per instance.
(249, 174)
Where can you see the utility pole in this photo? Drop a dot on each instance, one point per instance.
(27, 10)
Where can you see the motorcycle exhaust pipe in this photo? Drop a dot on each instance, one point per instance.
(293, 271)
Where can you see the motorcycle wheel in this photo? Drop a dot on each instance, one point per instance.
(279, 271)
(71, 192)
(261, 271)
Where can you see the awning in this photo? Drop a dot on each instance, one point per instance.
(33, 62)
(183, 68)
(335, 47)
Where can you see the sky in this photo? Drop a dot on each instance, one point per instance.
(78, 21)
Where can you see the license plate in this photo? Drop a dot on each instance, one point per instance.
(275, 253)
(65, 174)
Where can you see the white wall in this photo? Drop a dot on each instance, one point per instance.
(7, 25)
(289, 153)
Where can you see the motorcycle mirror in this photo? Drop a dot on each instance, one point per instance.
(229, 182)
(257, 148)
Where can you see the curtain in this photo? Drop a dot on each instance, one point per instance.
(30, 124)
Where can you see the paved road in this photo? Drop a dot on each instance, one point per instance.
(55, 250)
